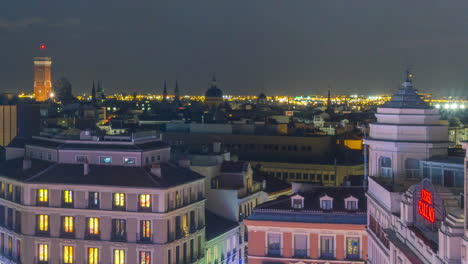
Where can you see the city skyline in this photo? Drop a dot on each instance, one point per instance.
(301, 47)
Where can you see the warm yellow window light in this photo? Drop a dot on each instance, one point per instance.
(93, 255)
(145, 200)
(119, 199)
(43, 224)
(68, 224)
(119, 256)
(93, 226)
(68, 254)
(68, 197)
(43, 195)
(43, 252)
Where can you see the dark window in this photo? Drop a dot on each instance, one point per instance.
(177, 257)
(119, 230)
(17, 194)
(2, 215)
(93, 200)
(18, 222)
(10, 218)
(169, 257)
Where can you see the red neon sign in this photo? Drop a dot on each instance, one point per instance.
(425, 207)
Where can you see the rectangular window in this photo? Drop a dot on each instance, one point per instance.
(144, 202)
(327, 247)
(351, 205)
(18, 222)
(105, 160)
(93, 200)
(145, 229)
(43, 223)
(274, 244)
(43, 196)
(326, 204)
(93, 226)
(68, 254)
(119, 201)
(300, 245)
(10, 246)
(145, 257)
(43, 253)
(10, 191)
(93, 255)
(119, 256)
(129, 161)
(18, 249)
(67, 198)
(18, 194)
(352, 248)
(68, 224)
(2, 189)
(119, 230)
(81, 159)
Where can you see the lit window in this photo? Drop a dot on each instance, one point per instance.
(93, 255)
(145, 229)
(274, 244)
(43, 252)
(145, 201)
(68, 254)
(2, 189)
(93, 226)
(43, 196)
(119, 256)
(129, 160)
(10, 246)
(43, 223)
(67, 198)
(352, 248)
(105, 160)
(10, 190)
(68, 224)
(119, 200)
(145, 257)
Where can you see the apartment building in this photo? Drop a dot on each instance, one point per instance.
(103, 200)
(315, 225)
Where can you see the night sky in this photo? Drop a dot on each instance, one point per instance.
(291, 47)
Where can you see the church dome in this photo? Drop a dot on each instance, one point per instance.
(214, 91)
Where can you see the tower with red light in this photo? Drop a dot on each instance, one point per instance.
(42, 76)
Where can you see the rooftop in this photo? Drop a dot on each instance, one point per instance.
(407, 96)
(105, 175)
(281, 210)
(217, 225)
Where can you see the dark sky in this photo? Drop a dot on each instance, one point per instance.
(279, 47)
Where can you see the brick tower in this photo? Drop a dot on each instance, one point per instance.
(42, 77)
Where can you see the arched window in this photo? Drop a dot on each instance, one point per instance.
(412, 168)
(385, 167)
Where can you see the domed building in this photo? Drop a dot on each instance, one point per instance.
(214, 95)
(262, 99)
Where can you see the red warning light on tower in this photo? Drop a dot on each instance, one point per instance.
(42, 47)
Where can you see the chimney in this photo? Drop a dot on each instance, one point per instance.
(85, 167)
(26, 163)
(156, 170)
(217, 147)
(185, 163)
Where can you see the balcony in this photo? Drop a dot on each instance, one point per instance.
(68, 205)
(300, 253)
(273, 251)
(327, 254)
(92, 237)
(64, 234)
(353, 256)
(119, 237)
(143, 240)
(43, 233)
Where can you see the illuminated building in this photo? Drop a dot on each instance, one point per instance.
(315, 225)
(42, 77)
(8, 124)
(112, 200)
(415, 212)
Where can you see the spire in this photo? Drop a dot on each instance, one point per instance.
(93, 92)
(214, 82)
(176, 92)
(329, 98)
(165, 92)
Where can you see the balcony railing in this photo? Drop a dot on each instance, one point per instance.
(64, 234)
(92, 237)
(327, 254)
(120, 237)
(273, 251)
(353, 255)
(143, 240)
(300, 253)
